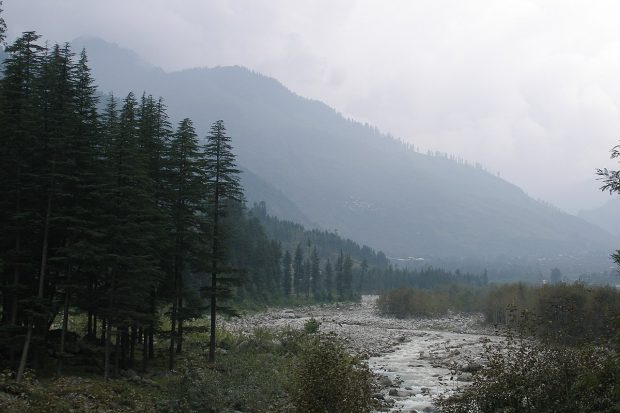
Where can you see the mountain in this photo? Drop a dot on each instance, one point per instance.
(277, 204)
(349, 177)
(606, 216)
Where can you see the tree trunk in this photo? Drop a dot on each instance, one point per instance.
(132, 345)
(43, 269)
(124, 346)
(145, 351)
(106, 330)
(180, 337)
(94, 335)
(212, 332)
(173, 321)
(63, 333)
(151, 342)
(117, 352)
(89, 326)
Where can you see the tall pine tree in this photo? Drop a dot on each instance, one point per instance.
(223, 192)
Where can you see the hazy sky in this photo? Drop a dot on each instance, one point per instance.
(528, 88)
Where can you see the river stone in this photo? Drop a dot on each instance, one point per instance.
(471, 367)
(385, 381)
(465, 377)
(399, 393)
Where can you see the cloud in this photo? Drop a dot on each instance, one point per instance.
(528, 88)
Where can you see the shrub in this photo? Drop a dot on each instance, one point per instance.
(528, 377)
(326, 378)
(312, 326)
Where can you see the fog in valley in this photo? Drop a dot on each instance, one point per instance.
(390, 193)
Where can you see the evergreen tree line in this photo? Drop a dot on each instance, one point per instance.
(117, 215)
(323, 265)
(105, 213)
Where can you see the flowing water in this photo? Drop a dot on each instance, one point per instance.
(427, 365)
(419, 356)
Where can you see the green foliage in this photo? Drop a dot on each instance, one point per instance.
(74, 394)
(2, 27)
(411, 302)
(326, 378)
(244, 379)
(564, 313)
(312, 326)
(526, 377)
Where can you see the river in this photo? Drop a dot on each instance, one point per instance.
(417, 358)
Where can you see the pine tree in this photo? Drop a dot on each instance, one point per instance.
(50, 174)
(133, 273)
(286, 274)
(298, 270)
(2, 27)
(185, 177)
(315, 274)
(362, 279)
(347, 277)
(223, 193)
(329, 277)
(19, 117)
(340, 285)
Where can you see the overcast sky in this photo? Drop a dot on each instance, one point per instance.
(528, 88)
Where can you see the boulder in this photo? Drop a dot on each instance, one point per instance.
(471, 367)
(399, 393)
(385, 381)
(465, 377)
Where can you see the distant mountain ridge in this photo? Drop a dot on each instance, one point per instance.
(349, 177)
(607, 216)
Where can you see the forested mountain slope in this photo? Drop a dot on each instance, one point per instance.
(350, 177)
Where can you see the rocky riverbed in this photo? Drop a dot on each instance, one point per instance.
(416, 359)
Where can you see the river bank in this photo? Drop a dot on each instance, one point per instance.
(416, 358)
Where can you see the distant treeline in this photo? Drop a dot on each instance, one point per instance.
(563, 313)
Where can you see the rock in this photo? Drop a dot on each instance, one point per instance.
(378, 396)
(471, 367)
(131, 373)
(428, 409)
(464, 377)
(288, 314)
(399, 393)
(243, 344)
(385, 381)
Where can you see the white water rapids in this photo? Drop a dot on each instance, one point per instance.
(416, 355)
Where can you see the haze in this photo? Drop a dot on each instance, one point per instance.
(529, 89)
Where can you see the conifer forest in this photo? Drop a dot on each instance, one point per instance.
(206, 240)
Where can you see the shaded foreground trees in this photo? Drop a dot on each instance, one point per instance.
(114, 215)
(109, 209)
